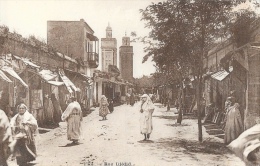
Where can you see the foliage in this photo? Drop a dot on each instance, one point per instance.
(240, 27)
(181, 32)
(144, 82)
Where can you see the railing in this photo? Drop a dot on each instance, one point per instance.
(92, 59)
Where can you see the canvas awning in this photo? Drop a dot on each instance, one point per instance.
(83, 76)
(26, 61)
(48, 75)
(4, 77)
(12, 73)
(56, 83)
(97, 79)
(70, 86)
(222, 74)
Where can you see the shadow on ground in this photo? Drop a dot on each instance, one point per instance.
(175, 117)
(178, 125)
(207, 146)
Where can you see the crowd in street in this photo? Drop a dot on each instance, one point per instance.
(17, 134)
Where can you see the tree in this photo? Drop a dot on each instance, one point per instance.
(181, 33)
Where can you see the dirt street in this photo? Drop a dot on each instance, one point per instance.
(117, 142)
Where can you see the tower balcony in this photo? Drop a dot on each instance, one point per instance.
(92, 59)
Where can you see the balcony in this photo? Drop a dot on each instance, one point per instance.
(92, 59)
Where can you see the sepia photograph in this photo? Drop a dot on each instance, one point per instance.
(129, 82)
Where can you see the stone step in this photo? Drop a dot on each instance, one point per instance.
(211, 126)
(215, 132)
(220, 136)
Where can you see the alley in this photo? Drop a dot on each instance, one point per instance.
(118, 140)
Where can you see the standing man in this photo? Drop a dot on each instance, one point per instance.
(73, 116)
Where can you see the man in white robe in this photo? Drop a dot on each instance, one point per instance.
(73, 116)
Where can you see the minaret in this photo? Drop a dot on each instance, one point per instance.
(126, 59)
(108, 31)
(109, 50)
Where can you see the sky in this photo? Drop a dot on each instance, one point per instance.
(29, 17)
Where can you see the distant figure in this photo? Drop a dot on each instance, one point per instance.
(132, 99)
(103, 110)
(24, 127)
(147, 109)
(127, 97)
(234, 123)
(111, 105)
(5, 138)
(73, 116)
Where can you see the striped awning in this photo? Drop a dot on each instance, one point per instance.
(222, 74)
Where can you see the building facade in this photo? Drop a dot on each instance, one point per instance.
(32, 72)
(126, 59)
(76, 39)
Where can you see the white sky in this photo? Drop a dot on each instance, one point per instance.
(29, 17)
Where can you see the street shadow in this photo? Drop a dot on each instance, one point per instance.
(177, 146)
(178, 125)
(207, 146)
(70, 144)
(165, 117)
(145, 141)
(103, 119)
(175, 117)
(30, 164)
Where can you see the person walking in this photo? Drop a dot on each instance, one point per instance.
(147, 109)
(73, 116)
(103, 110)
(24, 127)
(5, 138)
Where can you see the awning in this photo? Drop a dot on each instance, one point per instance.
(11, 72)
(222, 74)
(97, 79)
(56, 83)
(4, 77)
(26, 61)
(48, 75)
(67, 82)
(83, 76)
(91, 37)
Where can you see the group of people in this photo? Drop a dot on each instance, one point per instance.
(17, 135)
(146, 111)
